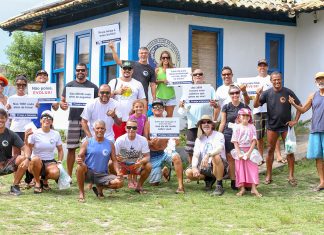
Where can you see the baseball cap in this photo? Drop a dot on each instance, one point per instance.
(319, 75)
(127, 64)
(262, 61)
(47, 113)
(41, 72)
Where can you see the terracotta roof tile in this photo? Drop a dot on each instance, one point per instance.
(309, 5)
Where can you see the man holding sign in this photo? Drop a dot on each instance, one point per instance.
(75, 132)
(159, 155)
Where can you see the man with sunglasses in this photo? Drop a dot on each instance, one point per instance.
(125, 91)
(75, 132)
(133, 155)
(101, 108)
(143, 72)
(222, 92)
(159, 156)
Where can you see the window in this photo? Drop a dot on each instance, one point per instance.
(58, 63)
(206, 52)
(275, 44)
(109, 69)
(83, 49)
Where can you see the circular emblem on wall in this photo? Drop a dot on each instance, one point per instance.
(5, 143)
(105, 152)
(282, 99)
(158, 45)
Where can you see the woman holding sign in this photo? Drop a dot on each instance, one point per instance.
(165, 93)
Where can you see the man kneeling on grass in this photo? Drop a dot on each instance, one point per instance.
(8, 163)
(209, 159)
(93, 159)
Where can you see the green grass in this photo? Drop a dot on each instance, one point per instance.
(282, 210)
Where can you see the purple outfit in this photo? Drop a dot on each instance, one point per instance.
(140, 122)
(246, 171)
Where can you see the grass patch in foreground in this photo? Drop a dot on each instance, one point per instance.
(282, 210)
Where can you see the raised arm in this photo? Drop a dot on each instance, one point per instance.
(114, 53)
(306, 107)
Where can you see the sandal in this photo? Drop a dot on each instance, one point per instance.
(283, 161)
(318, 189)
(140, 191)
(38, 190)
(46, 187)
(180, 191)
(81, 200)
(240, 193)
(292, 182)
(267, 181)
(257, 194)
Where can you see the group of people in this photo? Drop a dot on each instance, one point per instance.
(114, 132)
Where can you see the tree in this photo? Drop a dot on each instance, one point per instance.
(24, 55)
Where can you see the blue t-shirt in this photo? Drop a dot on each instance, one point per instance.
(41, 109)
(98, 155)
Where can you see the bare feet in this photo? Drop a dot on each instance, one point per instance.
(241, 192)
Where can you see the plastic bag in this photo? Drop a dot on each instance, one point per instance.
(65, 179)
(290, 142)
(254, 157)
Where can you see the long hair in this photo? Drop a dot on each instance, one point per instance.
(170, 60)
(136, 102)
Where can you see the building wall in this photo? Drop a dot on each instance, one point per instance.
(309, 54)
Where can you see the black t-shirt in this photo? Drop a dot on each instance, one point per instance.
(231, 115)
(8, 139)
(145, 74)
(76, 112)
(278, 107)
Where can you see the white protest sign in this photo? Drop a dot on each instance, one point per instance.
(23, 108)
(164, 127)
(196, 93)
(78, 97)
(104, 34)
(252, 85)
(45, 92)
(178, 76)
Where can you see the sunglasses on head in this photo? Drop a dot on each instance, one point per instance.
(234, 93)
(80, 70)
(196, 74)
(131, 127)
(105, 92)
(206, 122)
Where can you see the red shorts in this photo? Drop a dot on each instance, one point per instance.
(127, 168)
(119, 130)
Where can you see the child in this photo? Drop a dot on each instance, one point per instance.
(137, 114)
(246, 157)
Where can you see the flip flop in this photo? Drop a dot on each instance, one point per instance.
(267, 181)
(292, 182)
(180, 191)
(257, 194)
(81, 200)
(38, 190)
(318, 189)
(283, 161)
(140, 191)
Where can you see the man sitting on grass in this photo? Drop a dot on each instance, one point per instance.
(93, 159)
(8, 163)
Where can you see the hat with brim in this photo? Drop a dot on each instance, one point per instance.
(244, 111)
(262, 61)
(319, 75)
(47, 113)
(127, 64)
(204, 117)
(157, 102)
(4, 79)
(41, 72)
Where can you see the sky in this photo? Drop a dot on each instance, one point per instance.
(9, 9)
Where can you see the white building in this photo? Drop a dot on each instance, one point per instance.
(208, 34)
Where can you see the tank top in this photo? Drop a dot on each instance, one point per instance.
(98, 155)
(163, 91)
(318, 113)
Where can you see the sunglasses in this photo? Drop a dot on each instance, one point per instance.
(80, 70)
(245, 115)
(21, 85)
(2, 84)
(131, 127)
(196, 74)
(226, 74)
(165, 58)
(157, 107)
(234, 93)
(206, 122)
(47, 118)
(105, 92)
(127, 68)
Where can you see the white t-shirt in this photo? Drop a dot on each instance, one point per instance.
(266, 83)
(131, 150)
(95, 110)
(135, 91)
(18, 125)
(44, 143)
(204, 145)
(223, 97)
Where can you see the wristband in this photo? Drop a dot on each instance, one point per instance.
(59, 161)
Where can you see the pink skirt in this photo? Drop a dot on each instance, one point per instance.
(246, 173)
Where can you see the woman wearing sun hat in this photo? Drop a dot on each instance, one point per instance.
(316, 137)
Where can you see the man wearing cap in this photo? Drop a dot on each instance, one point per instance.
(315, 148)
(125, 91)
(9, 163)
(93, 158)
(75, 132)
(101, 108)
(143, 72)
(279, 119)
(222, 92)
(42, 77)
(260, 113)
(209, 159)
(159, 156)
